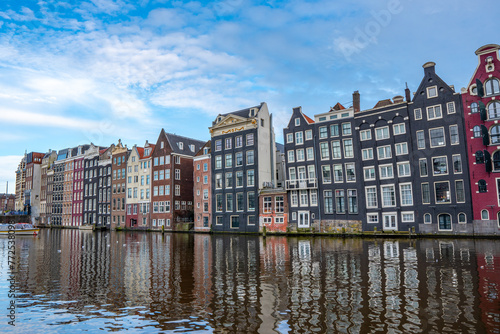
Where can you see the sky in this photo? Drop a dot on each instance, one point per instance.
(76, 72)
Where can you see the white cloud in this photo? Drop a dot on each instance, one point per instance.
(11, 116)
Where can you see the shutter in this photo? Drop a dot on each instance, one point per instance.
(482, 111)
(480, 89)
(487, 161)
(485, 135)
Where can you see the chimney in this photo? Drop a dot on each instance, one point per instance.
(356, 101)
(407, 93)
(429, 69)
(397, 99)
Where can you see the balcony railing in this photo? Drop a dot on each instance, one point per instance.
(300, 184)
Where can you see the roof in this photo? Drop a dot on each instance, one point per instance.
(175, 141)
(280, 147)
(202, 149)
(308, 119)
(338, 106)
(243, 112)
(383, 103)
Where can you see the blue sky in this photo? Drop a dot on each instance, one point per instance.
(74, 72)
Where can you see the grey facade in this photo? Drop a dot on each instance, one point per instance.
(90, 186)
(104, 180)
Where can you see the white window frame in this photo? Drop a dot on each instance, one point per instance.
(409, 168)
(385, 151)
(372, 214)
(365, 135)
(447, 165)
(369, 178)
(407, 213)
(398, 126)
(453, 109)
(428, 92)
(369, 156)
(433, 108)
(383, 137)
(417, 112)
(401, 193)
(444, 137)
(289, 138)
(376, 197)
(401, 145)
(380, 167)
(382, 195)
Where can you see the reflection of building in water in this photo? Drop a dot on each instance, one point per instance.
(275, 267)
(448, 278)
(71, 251)
(137, 270)
(236, 277)
(202, 271)
(488, 267)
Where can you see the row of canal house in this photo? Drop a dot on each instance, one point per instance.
(402, 165)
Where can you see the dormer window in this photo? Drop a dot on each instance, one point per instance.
(252, 112)
(297, 122)
(146, 151)
(205, 150)
(191, 147)
(218, 119)
(181, 145)
(432, 92)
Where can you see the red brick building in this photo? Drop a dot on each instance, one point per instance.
(202, 186)
(7, 202)
(482, 113)
(273, 210)
(172, 182)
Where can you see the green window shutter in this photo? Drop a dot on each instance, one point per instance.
(480, 89)
(482, 111)
(487, 161)
(485, 134)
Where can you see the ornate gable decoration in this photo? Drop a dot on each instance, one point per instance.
(232, 123)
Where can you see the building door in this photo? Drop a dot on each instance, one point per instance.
(390, 221)
(303, 219)
(444, 222)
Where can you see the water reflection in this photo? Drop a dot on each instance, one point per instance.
(248, 284)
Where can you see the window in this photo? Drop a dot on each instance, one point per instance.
(250, 178)
(311, 171)
(437, 137)
(301, 171)
(205, 167)
(235, 221)
(492, 87)
(289, 137)
(404, 169)
(407, 216)
(300, 155)
(218, 202)
(167, 174)
(369, 173)
(336, 150)
(372, 218)
(338, 173)
(454, 135)
(239, 141)
(420, 140)
(326, 172)
(384, 152)
(218, 181)
(229, 160)
(457, 164)
(239, 159)
(309, 153)
(460, 192)
(229, 143)
(461, 218)
(365, 135)
(479, 157)
(340, 200)
(303, 198)
(388, 196)
(401, 148)
(495, 134)
(386, 171)
(417, 113)
(367, 153)
(299, 138)
(324, 151)
(423, 167)
(278, 204)
(239, 179)
(328, 199)
(494, 110)
(450, 107)
(279, 220)
(496, 161)
(382, 133)
(323, 132)
(477, 131)
(427, 218)
(218, 220)
(399, 129)
(485, 215)
(442, 192)
(352, 201)
(229, 179)
(205, 194)
(162, 160)
(348, 150)
(350, 172)
(239, 202)
(432, 92)
(473, 108)
(250, 140)
(291, 171)
(434, 113)
(295, 198)
(251, 201)
(250, 157)
(218, 162)
(406, 194)
(334, 130)
(177, 190)
(229, 202)
(309, 134)
(346, 129)
(291, 156)
(482, 188)
(440, 166)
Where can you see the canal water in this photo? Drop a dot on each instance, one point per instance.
(70, 280)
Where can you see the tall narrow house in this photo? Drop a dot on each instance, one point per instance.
(243, 161)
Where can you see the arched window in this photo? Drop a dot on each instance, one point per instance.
(485, 215)
(427, 218)
(444, 221)
(477, 131)
(481, 184)
(479, 157)
(496, 161)
(473, 108)
(492, 87)
(494, 110)
(495, 134)
(461, 218)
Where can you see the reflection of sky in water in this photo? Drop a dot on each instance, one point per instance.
(146, 282)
